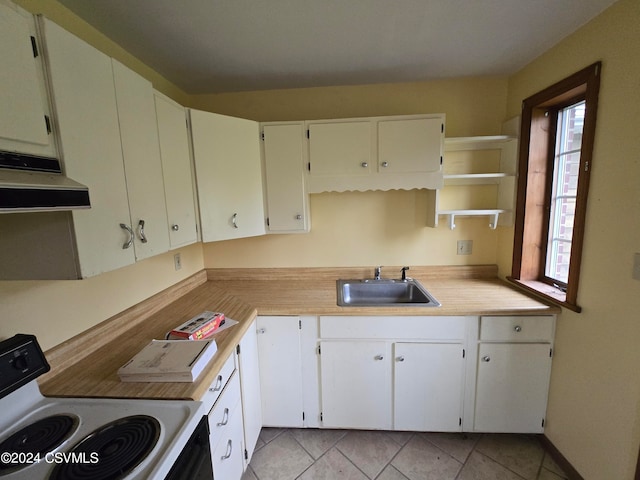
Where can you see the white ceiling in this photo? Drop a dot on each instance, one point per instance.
(211, 46)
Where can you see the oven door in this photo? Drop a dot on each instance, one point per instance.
(194, 462)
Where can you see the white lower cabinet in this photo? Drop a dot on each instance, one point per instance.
(280, 371)
(514, 368)
(428, 386)
(356, 384)
(228, 454)
(250, 390)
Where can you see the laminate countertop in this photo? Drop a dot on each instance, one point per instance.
(87, 365)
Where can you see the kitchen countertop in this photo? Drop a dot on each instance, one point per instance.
(86, 366)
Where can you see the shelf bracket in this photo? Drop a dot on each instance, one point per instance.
(493, 224)
(452, 221)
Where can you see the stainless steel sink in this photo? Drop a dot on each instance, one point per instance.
(383, 293)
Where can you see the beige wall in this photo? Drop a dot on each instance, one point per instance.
(594, 405)
(368, 228)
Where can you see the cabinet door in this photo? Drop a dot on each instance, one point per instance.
(410, 146)
(356, 384)
(227, 455)
(512, 387)
(340, 148)
(85, 102)
(143, 169)
(428, 386)
(177, 171)
(287, 198)
(228, 175)
(22, 93)
(250, 388)
(280, 371)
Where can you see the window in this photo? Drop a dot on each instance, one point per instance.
(556, 144)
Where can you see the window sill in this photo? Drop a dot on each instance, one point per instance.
(546, 291)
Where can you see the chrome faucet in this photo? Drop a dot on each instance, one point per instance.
(378, 272)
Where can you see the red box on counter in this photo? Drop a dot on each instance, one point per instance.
(199, 326)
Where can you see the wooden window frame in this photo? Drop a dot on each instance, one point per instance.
(536, 152)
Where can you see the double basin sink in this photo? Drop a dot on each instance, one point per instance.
(383, 293)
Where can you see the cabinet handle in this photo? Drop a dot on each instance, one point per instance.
(379, 357)
(234, 220)
(129, 242)
(175, 227)
(218, 386)
(229, 450)
(486, 358)
(225, 418)
(400, 358)
(364, 164)
(384, 164)
(143, 237)
(518, 328)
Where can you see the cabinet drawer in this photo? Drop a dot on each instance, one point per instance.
(517, 329)
(215, 389)
(224, 409)
(431, 328)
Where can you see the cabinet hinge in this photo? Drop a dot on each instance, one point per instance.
(262, 136)
(551, 352)
(246, 454)
(34, 46)
(299, 324)
(303, 416)
(463, 353)
(238, 349)
(309, 166)
(543, 423)
(319, 350)
(321, 416)
(308, 133)
(47, 122)
(440, 159)
(267, 221)
(442, 128)
(460, 421)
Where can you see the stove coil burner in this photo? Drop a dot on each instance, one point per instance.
(112, 451)
(38, 438)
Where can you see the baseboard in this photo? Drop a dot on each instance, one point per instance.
(560, 459)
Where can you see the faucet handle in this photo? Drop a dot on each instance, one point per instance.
(377, 272)
(404, 272)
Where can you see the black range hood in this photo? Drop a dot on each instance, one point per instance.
(36, 184)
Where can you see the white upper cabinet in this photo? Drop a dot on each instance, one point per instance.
(177, 171)
(283, 154)
(23, 99)
(375, 153)
(87, 118)
(228, 176)
(143, 169)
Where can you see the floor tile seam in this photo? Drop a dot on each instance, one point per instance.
(346, 457)
(443, 450)
(388, 465)
(504, 466)
(323, 453)
(389, 432)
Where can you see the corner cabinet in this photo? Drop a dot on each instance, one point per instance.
(228, 176)
(177, 170)
(284, 162)
(375, 153)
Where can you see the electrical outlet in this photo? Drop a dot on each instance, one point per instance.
(636, 266)
(465, 247)
(177, 261)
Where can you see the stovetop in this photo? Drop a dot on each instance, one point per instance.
(163, 426)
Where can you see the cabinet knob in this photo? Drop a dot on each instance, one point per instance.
(517, 328)
(486, 358)
(298, 217)
(400, 358)
(175, 227)
(261, 330)
(379, 357)
(385, 164)
(364, 164)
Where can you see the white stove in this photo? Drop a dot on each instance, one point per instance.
(83, 438)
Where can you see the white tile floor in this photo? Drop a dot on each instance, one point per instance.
(311, 454)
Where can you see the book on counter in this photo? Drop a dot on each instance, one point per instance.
(169, 361)
(198, 327)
